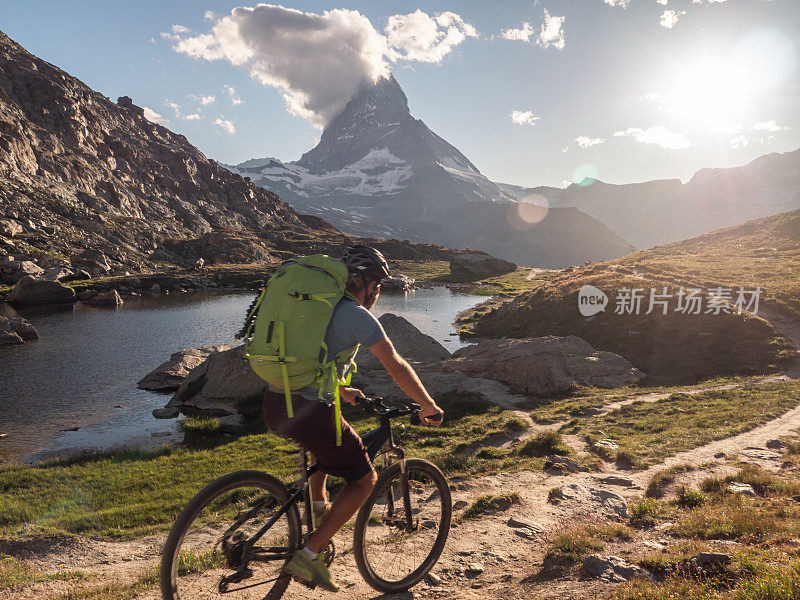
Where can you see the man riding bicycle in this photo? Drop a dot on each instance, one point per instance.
(313, 425)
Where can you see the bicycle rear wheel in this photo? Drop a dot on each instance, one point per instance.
(390, 557)
(204, 547)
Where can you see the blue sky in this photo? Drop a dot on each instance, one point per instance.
(626, 98)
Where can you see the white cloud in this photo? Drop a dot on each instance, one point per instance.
(662, 2)
(587, 142)
(661, 136)
(193, 117)
(420, 37)
(174, 106)
(226, 125)
(523, 34)
(318, 61)
(552, 32)
(769, 126)
(179, 29)
(739, 141)
(709, 1)
(206, 100)
(670, 17)
(209, 15)
(524, 117)
(620, 3)
(234, 97)
(565, 149)
(152, 115)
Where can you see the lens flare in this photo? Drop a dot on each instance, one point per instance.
(768, 57)
(585, 175)
(524, 216)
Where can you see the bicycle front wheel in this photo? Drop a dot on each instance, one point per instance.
(203, 554)
(393, 549)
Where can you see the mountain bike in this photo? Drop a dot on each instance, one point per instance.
(238, 533)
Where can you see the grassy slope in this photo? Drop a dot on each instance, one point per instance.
(764, 252)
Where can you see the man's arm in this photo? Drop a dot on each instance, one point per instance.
(407, 379)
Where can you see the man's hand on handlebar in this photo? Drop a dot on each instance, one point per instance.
(350, 395)
(431, 416)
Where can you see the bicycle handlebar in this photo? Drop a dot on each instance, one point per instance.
(377, 406)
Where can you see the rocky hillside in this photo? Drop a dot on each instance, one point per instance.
(669, 341)
(78, 172)
(657, 212)
(378, 171)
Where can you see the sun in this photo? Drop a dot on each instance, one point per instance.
(712, 92)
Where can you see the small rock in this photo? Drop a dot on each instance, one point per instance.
(433, 580)
(741, 488)
(170, 412)
(613, 568)
(606, 445)
(719, 455)
(617, 480)
(474, 569)
(525, 534)
(232, 424)
(3, 435)
(460, 504)
(523, 524)
(709, 559)
(87, 295)
(155, 288)
(653, 545)
(776, 444)
(118, 406)
(466, 552)
(563, 464)
(72, 428)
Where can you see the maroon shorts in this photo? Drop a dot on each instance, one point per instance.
(312, 427)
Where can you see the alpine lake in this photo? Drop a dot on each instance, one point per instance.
(74, 390)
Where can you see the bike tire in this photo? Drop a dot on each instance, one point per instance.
(437, 487)
(170, 558)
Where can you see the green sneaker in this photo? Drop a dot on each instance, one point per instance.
(312, 571)
(320, 513)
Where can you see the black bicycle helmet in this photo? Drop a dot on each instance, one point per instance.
(366, 260)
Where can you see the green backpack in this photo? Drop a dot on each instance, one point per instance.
(284, 330)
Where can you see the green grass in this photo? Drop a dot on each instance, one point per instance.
(651, 431)
(645, 513)
(543, 444)
(16, 574)
(490, 503)
(660, 480)
(579, 541)
(114, 591)
(134, 493)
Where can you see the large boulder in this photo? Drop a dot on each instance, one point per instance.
(57, 273)
(544, 365)
(410, 342)
(26, 267)
(30, 291)
(474, 265)
(16, 330)
(168, 376)
(94, 261)
(218, 384)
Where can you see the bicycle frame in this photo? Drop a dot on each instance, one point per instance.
(378, 441)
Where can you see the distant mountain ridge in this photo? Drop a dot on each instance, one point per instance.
(662, 211)
(379, 171)
(78, 172)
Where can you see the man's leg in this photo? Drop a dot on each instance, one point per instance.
(346, 504)
(317, 484)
